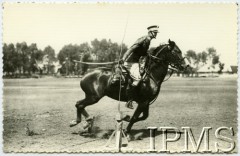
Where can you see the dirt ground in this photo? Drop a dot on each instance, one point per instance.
(37, 113)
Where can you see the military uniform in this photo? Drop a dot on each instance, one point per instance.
(133, 55)
(138, 49)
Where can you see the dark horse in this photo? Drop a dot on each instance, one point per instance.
(97, 83)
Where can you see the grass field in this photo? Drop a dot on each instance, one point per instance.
(37, 113)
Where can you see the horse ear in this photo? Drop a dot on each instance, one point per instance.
(170, 44)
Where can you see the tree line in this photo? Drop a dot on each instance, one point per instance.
(21, 58)
(199, 59)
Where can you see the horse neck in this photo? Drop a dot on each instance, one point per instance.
(159, 71)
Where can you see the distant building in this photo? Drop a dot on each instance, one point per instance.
(94, 57)
(208, 71)
(234, 69)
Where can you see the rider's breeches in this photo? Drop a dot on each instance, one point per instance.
(142, 63)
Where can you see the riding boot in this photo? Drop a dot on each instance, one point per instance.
(145, 78)
(130, 93)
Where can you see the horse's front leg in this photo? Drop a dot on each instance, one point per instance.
(145, 112)
(144, 115)
(134, 118)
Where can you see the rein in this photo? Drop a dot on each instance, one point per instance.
(159, 60)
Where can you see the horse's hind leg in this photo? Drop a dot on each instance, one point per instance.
(89, 100)
(80, 105)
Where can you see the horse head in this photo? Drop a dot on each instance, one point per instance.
(171, 55)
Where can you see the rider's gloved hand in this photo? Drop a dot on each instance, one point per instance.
(120, 61)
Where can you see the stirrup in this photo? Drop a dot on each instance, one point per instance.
(88, 123)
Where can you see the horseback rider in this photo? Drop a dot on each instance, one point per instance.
(133, 55)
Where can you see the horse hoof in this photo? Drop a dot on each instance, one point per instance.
(138, 136)
(129, 137)
(73, 123)
(88, 124)
(126, 118)
(85, 124)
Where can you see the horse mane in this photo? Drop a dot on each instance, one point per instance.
(154, 50)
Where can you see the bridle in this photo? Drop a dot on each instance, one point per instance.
(163, 60)
(177, 60)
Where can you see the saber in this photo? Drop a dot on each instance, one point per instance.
(125, 29)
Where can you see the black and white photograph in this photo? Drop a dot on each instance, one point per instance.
(120, 77)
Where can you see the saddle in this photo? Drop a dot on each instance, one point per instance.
(125, 73)
(129, 71)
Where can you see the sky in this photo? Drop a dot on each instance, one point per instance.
(191, 26)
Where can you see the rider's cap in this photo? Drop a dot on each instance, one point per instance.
(153, 28)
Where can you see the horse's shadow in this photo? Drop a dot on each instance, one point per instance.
(136, 134)
(139, 134)
(96, 132)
